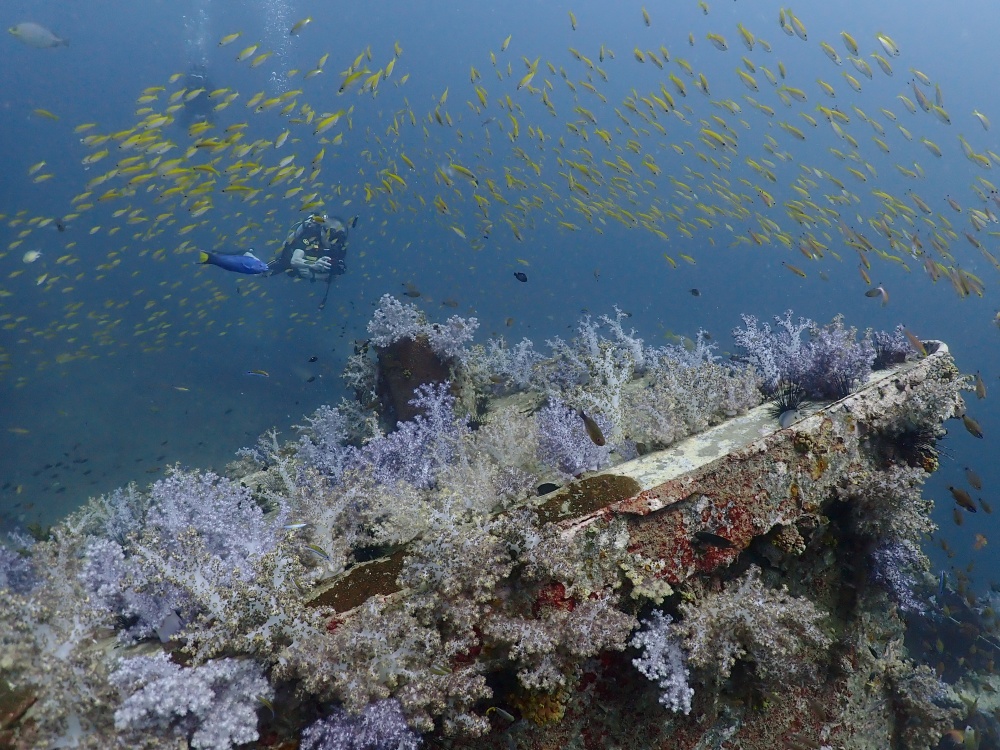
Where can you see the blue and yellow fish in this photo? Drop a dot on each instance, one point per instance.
(246, 263)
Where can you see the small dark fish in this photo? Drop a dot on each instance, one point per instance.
(449, 302)
(695, 292)
(520, 276)
(411, 290)
(707, 537)
(974, 479)
(354, 221)
(980, 386)
(547, 487)
(972, 426)
(593, 429)
(500, 712)
(879, 291)
(313, 358)
(509, 322)
(60, 226)
(963, 498)
(310, 379)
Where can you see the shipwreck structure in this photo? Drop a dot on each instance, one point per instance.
(523, 564)
(803, 508)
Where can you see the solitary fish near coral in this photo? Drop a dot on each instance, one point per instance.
(714, 540)
(36, 35)
(972, 426)
(593, 429)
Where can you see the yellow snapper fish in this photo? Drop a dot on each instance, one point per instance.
(36, 35)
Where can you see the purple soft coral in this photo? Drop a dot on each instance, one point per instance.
(322, 447)
(213, 705)
(420, 448)
(893, 566)
(563, 442)
(381, 726)
(838, 362)
(825, 366)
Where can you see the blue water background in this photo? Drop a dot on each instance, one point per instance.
(120, 405)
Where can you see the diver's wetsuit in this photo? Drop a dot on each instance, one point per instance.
(317, 237)
(199, 107)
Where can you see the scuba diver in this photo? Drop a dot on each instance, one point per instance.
(315, 249)
(199, 107)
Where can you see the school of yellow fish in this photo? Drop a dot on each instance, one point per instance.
(541, 144)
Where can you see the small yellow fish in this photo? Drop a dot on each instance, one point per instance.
(246, 53)
(230, 38)
(794, 269)
(852, 46)
(645, 17)
(572, 20)
(260, 59)
(506, 43)
(46, 114)
(299, 25)
(887, 44)
(260, 373)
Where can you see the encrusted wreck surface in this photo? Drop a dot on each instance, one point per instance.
(744, 496)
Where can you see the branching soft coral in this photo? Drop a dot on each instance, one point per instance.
(778, 634)
(827, 365)
(207, 568)
(394, 320)
(212, 706)
(380, 726)
(662, 661)
(420, 448)
(563, 442)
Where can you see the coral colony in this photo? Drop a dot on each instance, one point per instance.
(437, 556)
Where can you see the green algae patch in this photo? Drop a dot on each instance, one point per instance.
(362, 582)
(588, 495)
